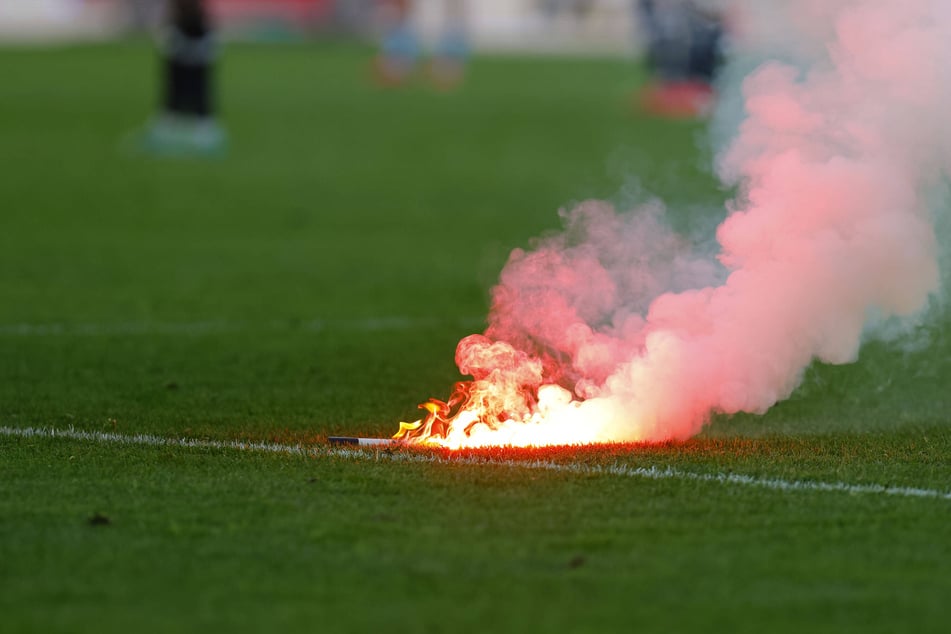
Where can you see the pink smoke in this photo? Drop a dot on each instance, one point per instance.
(834, 159)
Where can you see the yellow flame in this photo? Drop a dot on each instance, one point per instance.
(555, 419)
(405, 428)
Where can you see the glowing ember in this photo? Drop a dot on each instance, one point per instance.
(469, 419)
(508, 404)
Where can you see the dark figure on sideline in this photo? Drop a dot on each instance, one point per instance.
(683, 54)
(186, 123)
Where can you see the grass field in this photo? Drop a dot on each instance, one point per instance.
(315, 281)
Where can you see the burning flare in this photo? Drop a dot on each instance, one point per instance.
(465, 421)
(617, 330)
(503, 406)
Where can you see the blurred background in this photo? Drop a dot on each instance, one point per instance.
(592, 26)
(257, 215)
(245, 217)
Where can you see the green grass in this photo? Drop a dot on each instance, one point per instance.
(315, 281)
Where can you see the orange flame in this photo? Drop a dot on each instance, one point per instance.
(438, 421)
(473, 417)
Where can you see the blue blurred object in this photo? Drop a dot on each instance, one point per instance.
(401, 43)
(454, 44)
(176, 137)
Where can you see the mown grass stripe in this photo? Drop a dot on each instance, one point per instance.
(617, 469)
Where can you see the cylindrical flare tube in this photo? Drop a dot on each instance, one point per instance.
(363, 442)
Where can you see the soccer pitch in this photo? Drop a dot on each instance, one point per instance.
(315, 282)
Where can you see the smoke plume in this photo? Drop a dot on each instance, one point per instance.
(844, 135)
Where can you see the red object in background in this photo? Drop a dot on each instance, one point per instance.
(302, 11)
(686, 99)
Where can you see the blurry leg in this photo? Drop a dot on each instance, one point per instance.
(452, 51)
(649, 30)
(680, 57)
(188, 58)
(668, 38)
(706, 37)
(399, 49)
(187, 123)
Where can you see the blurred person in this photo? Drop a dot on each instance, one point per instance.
(401, 48)
(683, 53)
(186, 122)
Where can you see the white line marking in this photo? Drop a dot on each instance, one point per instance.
(197, 328)
(617, 469)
